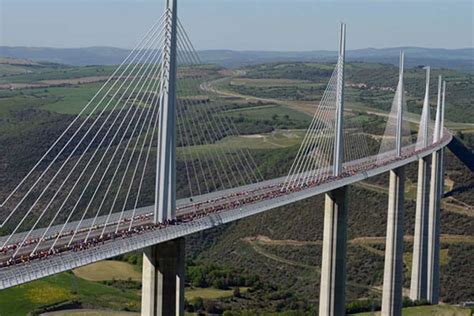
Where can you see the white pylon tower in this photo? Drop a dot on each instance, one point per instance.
(401, 96)
(426, 108)
(419, 271)
(333, 268)
(339, 128)
(437, 128)
(392, 297)
(441, 134)
(425, 114)
(165, 190)
(443, 103)
(436, 187)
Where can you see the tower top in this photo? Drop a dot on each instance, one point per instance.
(401, 92)
(339, 119)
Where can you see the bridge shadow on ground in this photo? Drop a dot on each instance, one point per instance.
(462, 152)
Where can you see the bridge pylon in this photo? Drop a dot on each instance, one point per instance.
(436, 192)
(163, 279)
(164, 264)
(392, 297)
(418, 290)
(165, 185)
(339, 120)
(333, 267)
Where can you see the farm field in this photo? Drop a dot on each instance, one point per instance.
(108, 270)
(89, 312)
(98, 284)
(276, 139)
(210, 293)
(441, 310)
(61, 288)
(369, 87)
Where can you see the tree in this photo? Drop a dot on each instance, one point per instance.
(237, 292)
(198, 303)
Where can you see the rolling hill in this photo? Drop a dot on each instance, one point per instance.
(459, 59)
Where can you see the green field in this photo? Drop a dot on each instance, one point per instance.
(90, 312)
(71, 100)
(274, 140)
(267, 82)
(270, 112)
(210, 293)
(108, 270)
(86, 287)
(61, 288)
(439, 310)
(8, 70)
(55, 72)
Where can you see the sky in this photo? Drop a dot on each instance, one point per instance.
(275, 25)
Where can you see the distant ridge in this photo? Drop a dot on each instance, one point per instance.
(459, 59)
(70, 56)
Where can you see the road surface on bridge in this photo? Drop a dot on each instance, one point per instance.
(195, 214)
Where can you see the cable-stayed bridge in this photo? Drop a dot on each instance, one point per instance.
(144, 164)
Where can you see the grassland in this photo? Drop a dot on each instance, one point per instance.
(55, 72)
(88, 285)
(210, 293)
(8, 70)
(440, 310)
(270, 112)
(108, 270)
(90, 312)
(276, 139)
(70, 100)
(64, 287)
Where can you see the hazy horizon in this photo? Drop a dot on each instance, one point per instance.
(254, 50)
(242, 25)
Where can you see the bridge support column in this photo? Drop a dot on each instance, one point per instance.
(163, 279)
(165, 183)
(333, 268)
(436, 188)
(393, 271)
(420, 240)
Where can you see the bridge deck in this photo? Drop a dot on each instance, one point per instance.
(24, 272)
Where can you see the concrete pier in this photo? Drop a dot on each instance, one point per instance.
(333, 268)
(163, 279)
(420, 242)
(393, 271)
(433, 229)
(436, 191)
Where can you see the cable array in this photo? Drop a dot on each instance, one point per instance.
(313, 162)
(388, 141)
(356, 140)
(97, 166)
(94, 177)
(315, 155)
(425, 129)
(203, 128)
(101, 169)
